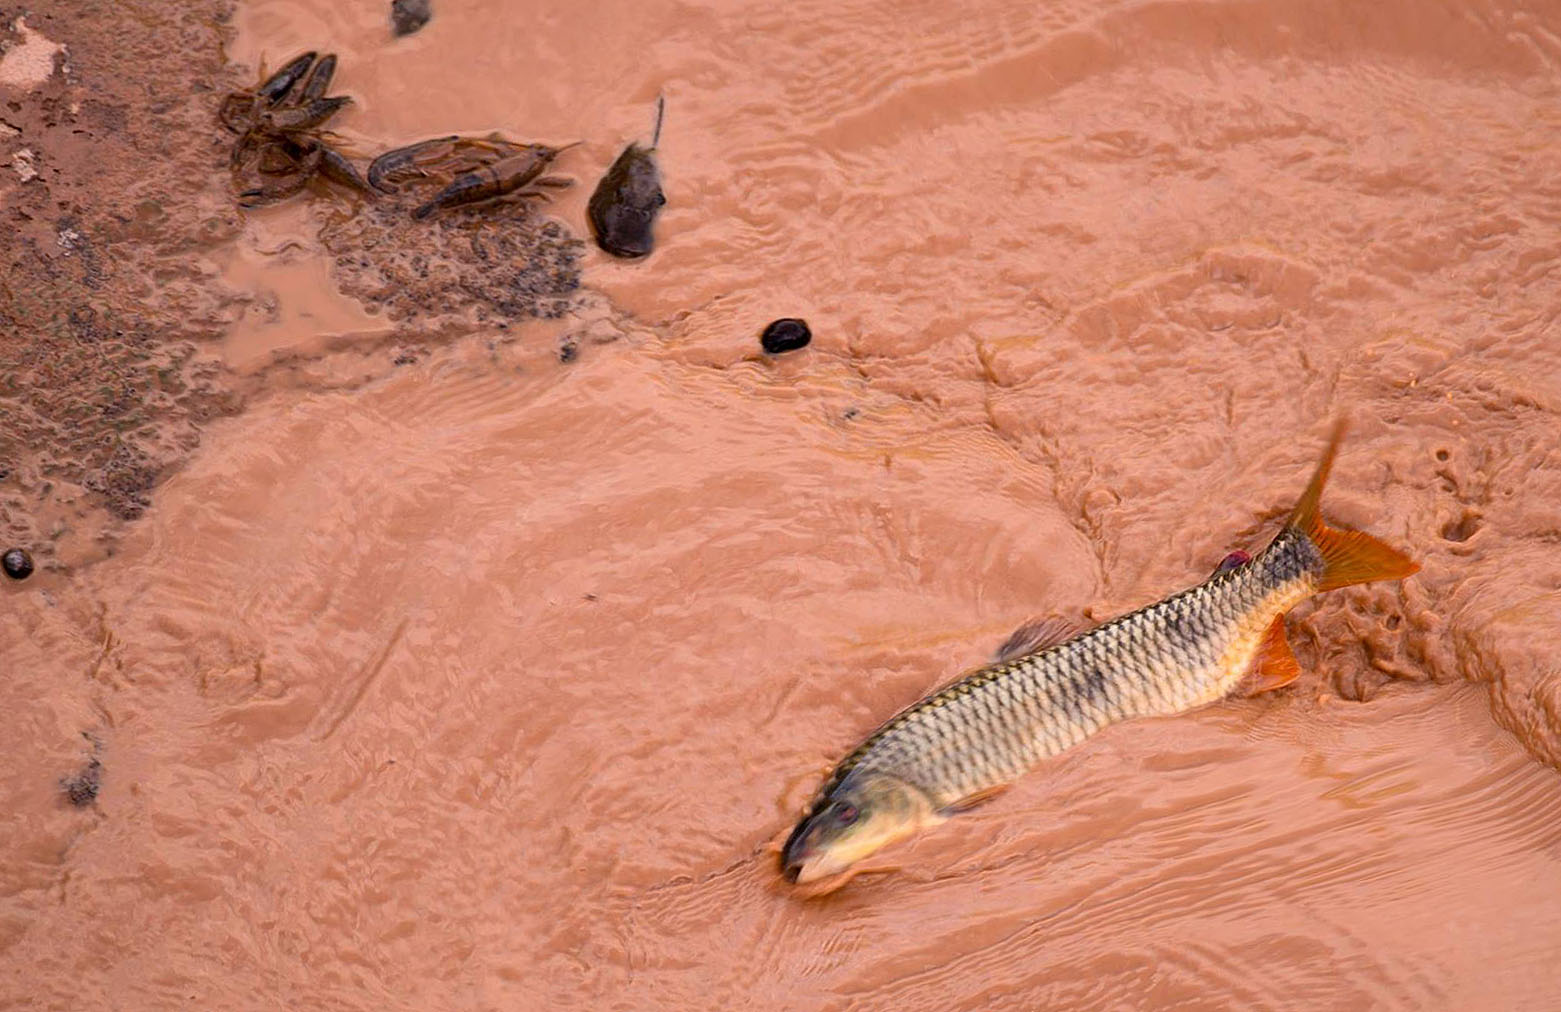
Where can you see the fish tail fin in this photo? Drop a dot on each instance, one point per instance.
(1349, 557)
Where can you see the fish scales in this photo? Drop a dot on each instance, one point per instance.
(992, 725)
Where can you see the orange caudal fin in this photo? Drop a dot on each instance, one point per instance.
(1349, 557)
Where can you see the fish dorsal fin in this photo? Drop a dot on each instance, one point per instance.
(1349, 557)
(975, 800)
(1305, 515)
(1274, 665)
(1038, 635)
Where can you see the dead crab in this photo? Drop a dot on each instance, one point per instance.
(280, 147)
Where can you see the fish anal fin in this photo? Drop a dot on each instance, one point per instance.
(1037, 635)
(1274, 665)
(975, 800)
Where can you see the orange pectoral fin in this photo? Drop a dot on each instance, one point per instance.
(1273, 666)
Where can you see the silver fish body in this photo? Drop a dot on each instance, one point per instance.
(970, 739)
(993, 725)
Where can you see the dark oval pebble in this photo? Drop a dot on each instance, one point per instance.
(18, 564)
(786, 335)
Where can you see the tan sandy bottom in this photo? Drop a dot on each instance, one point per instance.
(486, 681)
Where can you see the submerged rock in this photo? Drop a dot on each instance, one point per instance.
(786, 334)
(407, 16)
(18, 564)
(625, 204)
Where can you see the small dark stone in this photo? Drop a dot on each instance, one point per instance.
(407, 16)
(568, 349)
(18, 564)
(786, 335)
(82, 789)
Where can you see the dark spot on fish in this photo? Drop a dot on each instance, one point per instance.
(624, 206)
(407, 16)
(82, 788)
(1094, 681)
(786, 334)
(17, 563)
(1233, 560)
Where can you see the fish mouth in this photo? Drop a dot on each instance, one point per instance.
(802, 862)
(804, 869)
(797, 852)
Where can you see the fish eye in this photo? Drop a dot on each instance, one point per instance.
(846, 814)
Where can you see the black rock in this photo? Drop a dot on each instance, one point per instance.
(624, 205)
(17, 563)
(407, 16)
(786, 335)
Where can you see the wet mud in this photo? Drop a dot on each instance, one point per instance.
(117, 302)
(107, 198)
(461, 268)
(459, 671)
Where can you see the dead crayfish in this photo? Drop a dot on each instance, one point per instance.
(474, 170)
(279, 141)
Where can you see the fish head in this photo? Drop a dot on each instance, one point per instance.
(858, 817)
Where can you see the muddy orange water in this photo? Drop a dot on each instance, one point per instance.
(485, 682)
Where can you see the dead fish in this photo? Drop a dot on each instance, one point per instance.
(624, 207)
(967, 742)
